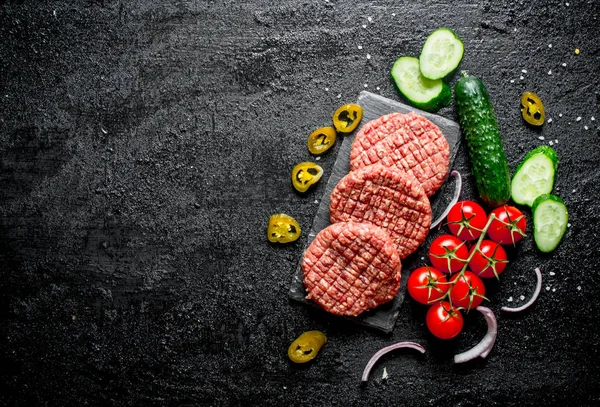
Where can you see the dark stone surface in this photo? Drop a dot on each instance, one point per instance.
(144, 144)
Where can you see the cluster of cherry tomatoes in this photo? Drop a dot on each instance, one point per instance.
(460, 260)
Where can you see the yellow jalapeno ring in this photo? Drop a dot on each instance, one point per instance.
(306, 174)
(321, 140)
(532, 109)
(306, 346)
(283, 229)
(347, 118)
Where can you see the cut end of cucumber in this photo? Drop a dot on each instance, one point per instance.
(441, 54)
(550, 219)
(426, 94)
(533, 178)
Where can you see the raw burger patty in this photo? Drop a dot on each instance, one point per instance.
(408, 141)
(351, 267)
(386, 197)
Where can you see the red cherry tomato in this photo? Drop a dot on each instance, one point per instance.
(466, 220)
(444, 321)
(510, 226)
(427, 285)
(468, 290)
(489, 261)
(448, 253)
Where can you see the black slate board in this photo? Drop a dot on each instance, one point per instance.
(384, 317)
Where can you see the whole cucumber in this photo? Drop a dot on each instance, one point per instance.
(484, 142)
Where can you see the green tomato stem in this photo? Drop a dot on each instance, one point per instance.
(475, 249)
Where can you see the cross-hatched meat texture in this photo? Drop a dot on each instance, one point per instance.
(351, 267)
(408, 141)
(386, 197)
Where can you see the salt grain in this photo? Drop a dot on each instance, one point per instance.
(547, 288)
(560, 115)
(360, 47)
(549, 45)
(368, 56)
(317, 158)
(541, 138)
(554, 290)
(567, 4)
(326, 89)
(317, 201)
(550, 72)
(551, 142)
(585, 127)
(592, 119)
(578, 288)
(522, 297)
(510, 299)
(568, 225)
(521, 77)
(578, 118)
(552, 273)
(564, 64)
(574, 191)
(339, 96)
(524, 70)
(364, 26)
(512, 81)
(393, 14)
(550, 120)
(366, 86)
(556, 141)
(369, 19)
(377, 88)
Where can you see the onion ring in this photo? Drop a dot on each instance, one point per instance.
(454, 200)
(536, 293)
(387, 349)
(485, 345)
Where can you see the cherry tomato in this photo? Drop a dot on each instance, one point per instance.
(468, 290)
(427, 285)
(489, 261)
(510, 226)
(466, 220)
(444, 321)
(448, 253)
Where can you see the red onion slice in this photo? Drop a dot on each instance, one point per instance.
(387, 349)
(536, 293)
(457, 191)
(484, 347)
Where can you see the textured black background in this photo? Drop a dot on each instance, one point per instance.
(144, 144)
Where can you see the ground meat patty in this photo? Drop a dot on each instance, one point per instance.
(351, 267)
(408, 141)
(386, 197)
(376, 130)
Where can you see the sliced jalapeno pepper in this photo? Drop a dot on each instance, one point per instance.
(306, 174)
(532, 109)
(306, 346)
(283, 229)
(347, 117)
(321, 140)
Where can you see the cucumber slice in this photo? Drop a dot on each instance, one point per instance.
(535, 175)
(550, 218)
(421, 92)
(441, 54)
